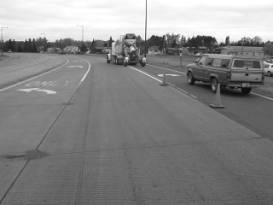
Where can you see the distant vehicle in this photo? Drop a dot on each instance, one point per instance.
(228, 70)
(268, 68)
(9, 51)
(125, 51)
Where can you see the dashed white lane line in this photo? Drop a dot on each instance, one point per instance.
(163, 68)
(32, 78)
(262, 96)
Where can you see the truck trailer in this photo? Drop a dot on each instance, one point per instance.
(125, 51)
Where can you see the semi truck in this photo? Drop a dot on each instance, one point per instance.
(125, 51)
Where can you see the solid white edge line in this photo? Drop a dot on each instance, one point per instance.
(172, 70)
(86, 73)
(180, 90)
(145, 74)
(34, 77)
(262, 96)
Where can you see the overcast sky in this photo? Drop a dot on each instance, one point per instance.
(55, 19)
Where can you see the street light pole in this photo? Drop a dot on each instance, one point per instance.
(82, 32)
(44, 41)
(2, 41)
(145, 30)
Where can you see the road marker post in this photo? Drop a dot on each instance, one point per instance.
(217, 102)
(163, 82)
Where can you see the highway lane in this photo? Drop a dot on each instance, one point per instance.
(252, 111)
(27, 112)
(123, 139)
(19, 66)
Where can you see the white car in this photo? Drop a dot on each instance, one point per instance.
(268, 69)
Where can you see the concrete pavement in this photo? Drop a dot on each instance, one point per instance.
(123, 139)
(20, 66)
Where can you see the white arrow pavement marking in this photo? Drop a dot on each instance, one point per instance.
(75, 66)
(28, 90)
(171, 74)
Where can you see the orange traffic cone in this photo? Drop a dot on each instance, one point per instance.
(163, 82)
(218, 101)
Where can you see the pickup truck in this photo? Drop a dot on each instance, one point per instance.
(228, 70)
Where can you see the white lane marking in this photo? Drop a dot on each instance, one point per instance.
(32, 78)
(145, 74)
(41, 84)
(168, 74)
(172, 70)
(86, 73)
(262, 96)
(74, 66)
(28, 90)
(180, 90)
(193, 96)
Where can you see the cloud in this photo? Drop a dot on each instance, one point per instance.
(104, 18)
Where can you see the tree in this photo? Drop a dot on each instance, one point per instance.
(256, 41)
(110, 42)
(155, 41)
(198, 41)
(83, 48)
(268, 48)
(172, 40)
(227, 41)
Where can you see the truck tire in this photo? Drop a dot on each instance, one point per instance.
(213, 84)
(246, 91)
(142, 64)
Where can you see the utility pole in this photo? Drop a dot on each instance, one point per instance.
(2, 40)
(44, 41)
(82, 27)
(146, 31)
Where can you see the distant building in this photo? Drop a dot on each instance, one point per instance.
(71, 50)
(244, 51)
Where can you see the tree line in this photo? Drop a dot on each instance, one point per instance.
(42, 44)
(161, 42)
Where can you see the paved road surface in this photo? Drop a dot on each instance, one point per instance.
(254, 111)
(120, 138)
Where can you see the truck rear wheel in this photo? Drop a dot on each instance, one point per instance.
(246, 91)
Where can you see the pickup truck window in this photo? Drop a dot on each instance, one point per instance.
(246, 64)
(216, 62)
(225, 63)
(209, 61)
(202, 61)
